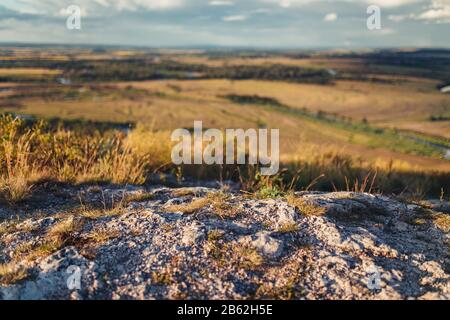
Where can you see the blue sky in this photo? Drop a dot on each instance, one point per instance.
(253, 23)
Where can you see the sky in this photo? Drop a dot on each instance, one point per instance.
(233, 23)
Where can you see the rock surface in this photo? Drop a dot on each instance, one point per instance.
(363, 247)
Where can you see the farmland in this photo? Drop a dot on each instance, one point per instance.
(383, 110)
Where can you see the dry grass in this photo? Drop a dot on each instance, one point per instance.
(221, 205)
(235, 254)
(155, 146)
(14, 225)
(247, 257)
(442, 221)
(28, 155)
(19, 171)
(183, 192)
(115, 207)
(10, 274)
(215, 235)
(305, 207)
(282, 287)
(8, 227)
(95, 214)
(288, 228)
(218, 201)
(423, 216)
(101, 236)
(140, 197)
(162, 278)
(189, 208)
(64, 227)
(47, 248)
(58, 236)
(120, 166)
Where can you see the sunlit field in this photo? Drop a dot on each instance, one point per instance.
(341, 118)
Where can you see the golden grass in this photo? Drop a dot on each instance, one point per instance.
(56, 237)
(442, 221)
(28, 155)
(189, 208)
(140, 197)
(304, 206)
(19, 171)
(7, 228)
(237, 255)
(95, 214)
(14, 225)
(426, 216)
(162, 278)
(120, 166)
(221, 205)
(247, 257)
(152, 145)
(22, 249)
(218, 201)
(28, 72)
(10, 274)
(59, 235)
(182, 192)
(215, 235)
(64, 227)
(283, 287)
(47, 248)
(288, 228)
(101, 236)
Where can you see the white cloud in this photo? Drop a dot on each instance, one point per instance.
(221, 3)
(53, 7)
(65, 12)
(103, 3)
(262, 11)
(398, 17)
(98, 6)
(147, 4)
(381, 3)
(330, 17)
(285, 3)
(438, 11)
(234, 18)
(392, 3)
(385, 31)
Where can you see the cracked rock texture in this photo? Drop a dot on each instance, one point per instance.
(363, 247)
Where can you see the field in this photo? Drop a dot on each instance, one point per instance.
(343, 116)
